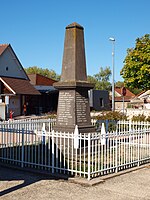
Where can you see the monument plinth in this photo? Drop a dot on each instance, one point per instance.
(73, 103)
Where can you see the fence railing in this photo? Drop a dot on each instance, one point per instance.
(35, 145)
(29, 124)
(121, 126)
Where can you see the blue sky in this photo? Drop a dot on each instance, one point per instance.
(36, 30)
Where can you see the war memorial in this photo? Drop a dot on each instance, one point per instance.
(73, 104)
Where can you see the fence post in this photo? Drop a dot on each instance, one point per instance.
(107, 125)
(138, 148)
(22, 153)
(116, 152)
(49, 125)
(53, 151)
(3, 146)
(89, 156)
(130, 126)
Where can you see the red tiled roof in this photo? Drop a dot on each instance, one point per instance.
(121, 98)
(37, 79)
(128, 93)
(19, 86)
(3, 47)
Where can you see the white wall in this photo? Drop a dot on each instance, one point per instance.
(119, 105)
(2, 111)
(9, 61)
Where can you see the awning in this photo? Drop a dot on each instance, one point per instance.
(45, 89)
(19, 86)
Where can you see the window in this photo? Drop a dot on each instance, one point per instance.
(101, 102)
(6, 68)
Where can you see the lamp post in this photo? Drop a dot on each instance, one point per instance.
(113, 66)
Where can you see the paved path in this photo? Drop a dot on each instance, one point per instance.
(19, 185)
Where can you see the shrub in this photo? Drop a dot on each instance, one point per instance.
(139, 118)
(110, 119)
(112, 115)
(52, 115)
(148, 119)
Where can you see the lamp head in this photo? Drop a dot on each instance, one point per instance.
(112, 39)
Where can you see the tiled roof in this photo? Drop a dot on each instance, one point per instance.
(19, 86)
(121, 98)
(128, 93)
(37, 79)
(144, 94)
(3, 47)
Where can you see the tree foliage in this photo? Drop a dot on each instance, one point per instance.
(45, 72)
(101, 79)
(135, 90)
(92, 80)
(136, 69)
(119, 84)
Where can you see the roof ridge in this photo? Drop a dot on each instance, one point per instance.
(4, 44)
(3, 47)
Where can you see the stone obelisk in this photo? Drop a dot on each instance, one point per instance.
(73, 103)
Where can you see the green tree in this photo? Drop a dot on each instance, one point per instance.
(135, 90)
(101, 79)
(45, 72)
(91, 79)
(136, 69)
(119, 84)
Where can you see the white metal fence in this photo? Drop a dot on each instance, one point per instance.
(29, 124)
(33, 144)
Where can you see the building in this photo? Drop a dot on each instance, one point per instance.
(14, 84)
(142, 100)
(121, 102)
(48, 100)
(99, 100)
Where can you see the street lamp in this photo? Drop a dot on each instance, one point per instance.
(113, 66)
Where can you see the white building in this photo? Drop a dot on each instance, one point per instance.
(14, 82)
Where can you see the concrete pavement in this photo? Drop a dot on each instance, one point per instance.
(20, 185)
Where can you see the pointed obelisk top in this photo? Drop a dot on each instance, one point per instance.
(74, 25)
(74, 64)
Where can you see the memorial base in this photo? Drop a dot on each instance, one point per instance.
(82, 129)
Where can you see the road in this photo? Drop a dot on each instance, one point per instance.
(19, 185)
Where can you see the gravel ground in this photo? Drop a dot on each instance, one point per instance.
(19, 185)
